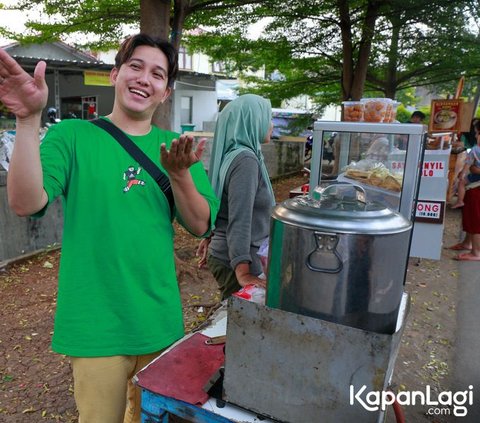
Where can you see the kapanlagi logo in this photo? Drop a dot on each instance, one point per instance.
(446, 400)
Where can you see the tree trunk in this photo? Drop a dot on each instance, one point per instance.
(393, 58)
(180, 12)
(368, 30)
(155, 21)
(155, 17)
(355, 74)
(347, 51)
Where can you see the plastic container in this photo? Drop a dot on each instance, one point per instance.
(391, 115)
(388, 112)
(352, 111)
(375, 109)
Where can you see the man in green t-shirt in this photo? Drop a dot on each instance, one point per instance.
(118, 301)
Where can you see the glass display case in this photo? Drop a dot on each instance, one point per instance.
(382, 158)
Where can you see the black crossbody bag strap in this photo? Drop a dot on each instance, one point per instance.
(160, 178)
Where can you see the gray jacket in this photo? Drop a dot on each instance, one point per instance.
(243, 220)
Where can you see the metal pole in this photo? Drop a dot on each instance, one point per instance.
(56, 84)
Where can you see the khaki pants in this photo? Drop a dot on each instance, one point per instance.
(103, 388)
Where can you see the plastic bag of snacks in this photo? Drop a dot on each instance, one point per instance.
(251, 292)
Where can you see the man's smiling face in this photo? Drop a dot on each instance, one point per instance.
(141, 82)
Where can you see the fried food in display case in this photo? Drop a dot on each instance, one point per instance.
(374, 173)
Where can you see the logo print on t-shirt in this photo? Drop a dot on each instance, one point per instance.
(130, 175)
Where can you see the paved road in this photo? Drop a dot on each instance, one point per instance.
(466, 364)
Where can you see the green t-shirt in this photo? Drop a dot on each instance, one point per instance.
(117, 292)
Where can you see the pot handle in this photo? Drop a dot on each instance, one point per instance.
(326, 243)
(361, 194)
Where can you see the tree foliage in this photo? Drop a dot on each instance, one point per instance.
(330, 50)
(337, 49)
(102, 24)
(430, 45)
(93, 24)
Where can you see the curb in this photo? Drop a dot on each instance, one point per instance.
(5, 264)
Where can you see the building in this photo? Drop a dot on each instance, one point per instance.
(66, 71)
(79, 84)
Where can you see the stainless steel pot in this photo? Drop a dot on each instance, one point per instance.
(339, 259)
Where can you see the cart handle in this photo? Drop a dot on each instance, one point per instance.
(360, 193)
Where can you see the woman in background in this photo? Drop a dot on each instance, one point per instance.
(240, 180)
(459, 155)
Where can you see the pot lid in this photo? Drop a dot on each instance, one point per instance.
(332, 214)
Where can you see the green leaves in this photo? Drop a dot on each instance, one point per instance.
(97, 24)
(329, 50)
(321, 47)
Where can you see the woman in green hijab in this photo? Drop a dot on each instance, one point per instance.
(240, 179)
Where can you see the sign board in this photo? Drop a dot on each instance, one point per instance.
(430, 207)
(468, 109)
(429, 211)
(445, 115)
(397, 167)
(96, 78)
(450, 116)
(433, 169)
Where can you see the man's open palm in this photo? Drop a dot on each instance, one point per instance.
(21, 93)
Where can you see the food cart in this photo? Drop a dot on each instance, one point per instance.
(335, 308)
(279, 367)
(390, 162)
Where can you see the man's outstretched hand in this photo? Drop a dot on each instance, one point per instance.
(22, 94)
(181, 155)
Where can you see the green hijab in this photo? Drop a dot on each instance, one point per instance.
(241, 126)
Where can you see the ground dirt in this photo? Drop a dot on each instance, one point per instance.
(36, 385)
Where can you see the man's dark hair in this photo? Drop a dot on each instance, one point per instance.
(130, 44)
(418, 113)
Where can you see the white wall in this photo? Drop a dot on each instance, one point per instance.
(107, 56)
(332, 113)
(201, 63)
(204, 107)
(302, 102)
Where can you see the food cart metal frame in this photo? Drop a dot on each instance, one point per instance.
(416, 134)
(423, 195)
